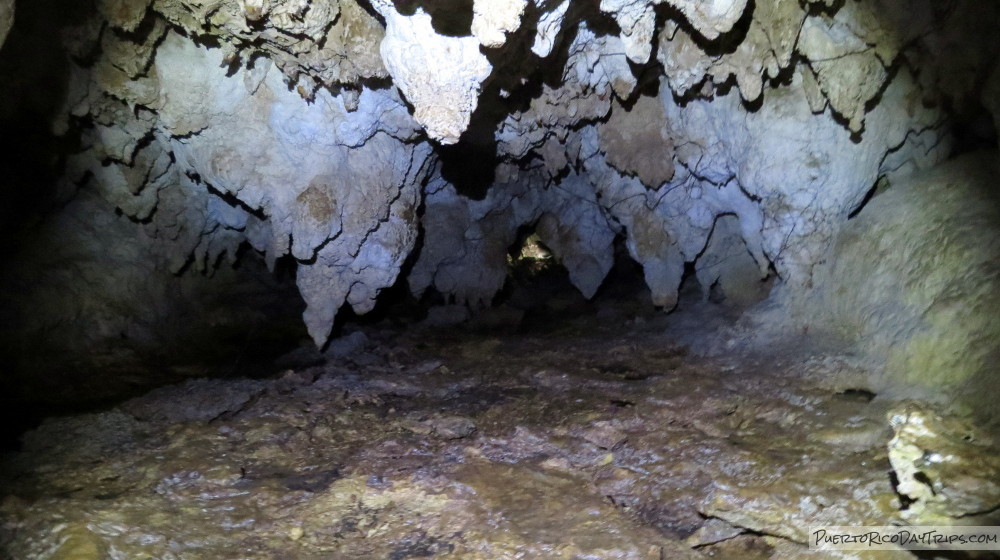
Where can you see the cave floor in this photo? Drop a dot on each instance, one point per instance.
(595, 441)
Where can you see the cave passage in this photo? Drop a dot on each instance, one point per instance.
(491, 279)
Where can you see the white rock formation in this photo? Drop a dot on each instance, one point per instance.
(764, 53)
(595, 70)
(549, 26)
(441, 76)
(794, 176)
(290, 166)
(637, 20)
(493, 19)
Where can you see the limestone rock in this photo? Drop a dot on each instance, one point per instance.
(947, 467)
(184, 138)
(636, 142)
(637, 20)
(317, 162)
(849, 71)
(548, 28)
(287, 126)
(727, 264)
(909, 278)
(198, 400)
(441, 76)
(466, 241)
(565, 215)
(578, 232)
(791, 177)
(331, 42)
(713, 531)
(442, 426)
(711, 18)
(491, 20)
(593, 74)
(851, 50)
(766, 50)
(124, 14)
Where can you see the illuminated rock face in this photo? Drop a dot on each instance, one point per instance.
(689, 129)
(913, 278)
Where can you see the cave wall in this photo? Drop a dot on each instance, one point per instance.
(912, 281)
(92, 312)
(363, 140)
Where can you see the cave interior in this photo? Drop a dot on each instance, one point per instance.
(630, 279)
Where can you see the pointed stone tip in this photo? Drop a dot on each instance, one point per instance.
(320, 335)
(319, 328)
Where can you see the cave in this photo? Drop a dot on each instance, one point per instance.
(490, 279)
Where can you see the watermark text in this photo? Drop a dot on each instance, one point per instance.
(908, 538)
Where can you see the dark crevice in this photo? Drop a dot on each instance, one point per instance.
(973, 129)
(867, 198)
(904, 501)
(857, 394)
(452, 18)
(821, 8)
(232, 200)
(470, 164)
(922, 478)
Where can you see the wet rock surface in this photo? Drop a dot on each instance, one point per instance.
(591, 440)
(948, 469)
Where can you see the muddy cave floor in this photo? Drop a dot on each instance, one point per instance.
(599, 437)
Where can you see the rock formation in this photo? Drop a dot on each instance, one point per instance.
(694, 131)
(913, 279)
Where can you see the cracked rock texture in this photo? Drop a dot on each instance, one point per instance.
(594, 442)
(737, 137)
(947, 466)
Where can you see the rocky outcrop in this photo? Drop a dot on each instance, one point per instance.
(602, 441)
(466, 242)
(322, 43)
(791, 167)
(946, 466)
